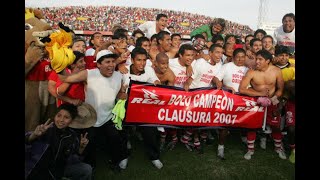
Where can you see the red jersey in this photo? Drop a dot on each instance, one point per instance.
(40, 72)
(75, 91)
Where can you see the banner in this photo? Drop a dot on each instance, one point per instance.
(164, 105)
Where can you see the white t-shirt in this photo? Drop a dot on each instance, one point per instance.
(101, 93)
(285, 39)
(179, 71)
(232, 75)
(203, 72)
(149, 28)
(148, 76)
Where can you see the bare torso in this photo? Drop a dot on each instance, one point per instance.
(265, 80)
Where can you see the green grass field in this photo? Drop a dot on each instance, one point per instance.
(182, 164)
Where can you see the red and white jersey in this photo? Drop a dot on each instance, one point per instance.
(232, 75)
(179, 71)
(285, 39)
(203, 72)
(90, 59)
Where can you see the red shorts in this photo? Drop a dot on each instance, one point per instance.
(273, 118)
(291, 113)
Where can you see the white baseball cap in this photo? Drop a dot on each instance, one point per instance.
(105, 52)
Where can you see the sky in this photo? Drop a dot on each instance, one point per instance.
(245, 12)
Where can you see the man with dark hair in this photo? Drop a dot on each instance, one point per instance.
(154, 27)
(265, 81)
(215, 28)
(285, 34)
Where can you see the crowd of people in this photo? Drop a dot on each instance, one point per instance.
(103, 18)
(100, 74)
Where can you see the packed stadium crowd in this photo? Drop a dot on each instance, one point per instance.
(103, 18)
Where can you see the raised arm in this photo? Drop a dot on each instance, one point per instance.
(74, 78)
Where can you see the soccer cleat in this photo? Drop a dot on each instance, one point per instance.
(157, 163)
(281, 153)
(221, 153)
(123, 164)
(292, 157)
(263, 143)
(248, 155)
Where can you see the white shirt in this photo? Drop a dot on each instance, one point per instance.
(203, 72)
(285, 39)
(232, 75)
(179, 71)
(149, 28)
(101, 93)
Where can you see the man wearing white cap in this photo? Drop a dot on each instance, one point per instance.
(103, 87)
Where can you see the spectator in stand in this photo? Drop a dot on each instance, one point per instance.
(215, 28)
(154, 27)
(285, 34)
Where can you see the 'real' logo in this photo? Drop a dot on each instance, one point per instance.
(250, 106)
(249, 102)
(149, 98)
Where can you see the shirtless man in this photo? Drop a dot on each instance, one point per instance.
(166, 77)
(266, 81)
(162, 70)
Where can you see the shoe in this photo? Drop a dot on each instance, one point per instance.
(248, 155)
(263, 143)
(123, 164)
(281, 153)
(221, 153)
(292, 157)
(157, 163)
